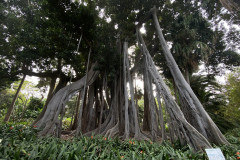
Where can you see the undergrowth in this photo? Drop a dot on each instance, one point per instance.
(21, 142)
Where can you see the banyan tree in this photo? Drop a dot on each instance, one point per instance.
(109, 107)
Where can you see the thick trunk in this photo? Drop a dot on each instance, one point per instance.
(153, 123)
(102, 101)
(146, 113)
(199, 117)
(121, 107)
(82, 98)
(11, 107)
(189, 133)
(112, 127)
(121, 125)
(91, 116)
(176, 93)
(125, 47)
(47, 123)
(85, 111)
(160, 117)
(170, 128)
(133, 107)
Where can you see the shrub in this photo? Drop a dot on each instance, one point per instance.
(21, 142)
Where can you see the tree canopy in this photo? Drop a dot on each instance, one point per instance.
(82, 47)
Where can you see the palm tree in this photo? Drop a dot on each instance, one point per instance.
(209, 92)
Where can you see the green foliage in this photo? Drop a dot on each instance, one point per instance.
(233, 137)
(209, 92)
(6, 97)
(190, 34)
(233, 93)
(43, 36)
(21, 142)
(66, 123)
(35, 104)
(25, 107)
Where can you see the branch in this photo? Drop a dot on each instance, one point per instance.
(147, 16)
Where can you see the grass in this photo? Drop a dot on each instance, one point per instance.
(21, 142)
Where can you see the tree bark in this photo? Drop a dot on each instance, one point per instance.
(196, 140)
(153, 125)
(11, 107)
(91, 109)
(231, 5)
(47, 123)
(125, 47)
(146, 113)
(121, 107)
(83, 95)
(134, 110)
(198, 117)
(154, 122)
(102, 101)
(161, 120)
(85, 111)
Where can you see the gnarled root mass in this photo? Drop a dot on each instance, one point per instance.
(50, 120)
(108, 109)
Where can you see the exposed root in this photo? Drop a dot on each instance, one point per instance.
(113, 131)
(99, 130)
(141, 136)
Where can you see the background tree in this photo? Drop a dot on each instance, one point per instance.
(233, 92)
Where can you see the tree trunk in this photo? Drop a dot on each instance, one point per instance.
(161, 120)
(83, 95)
(85, 111)
(125, 48)
(198, 117)
(190, 134)
(102, 100)
(91, 109)
(153, 123)
(134, 110)
(11, 107)
(121, 107)
(47, 123)
(231, 5)
(146, 113)
(170, 127)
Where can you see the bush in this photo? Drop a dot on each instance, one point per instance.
(35, 104)
(21, 142)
